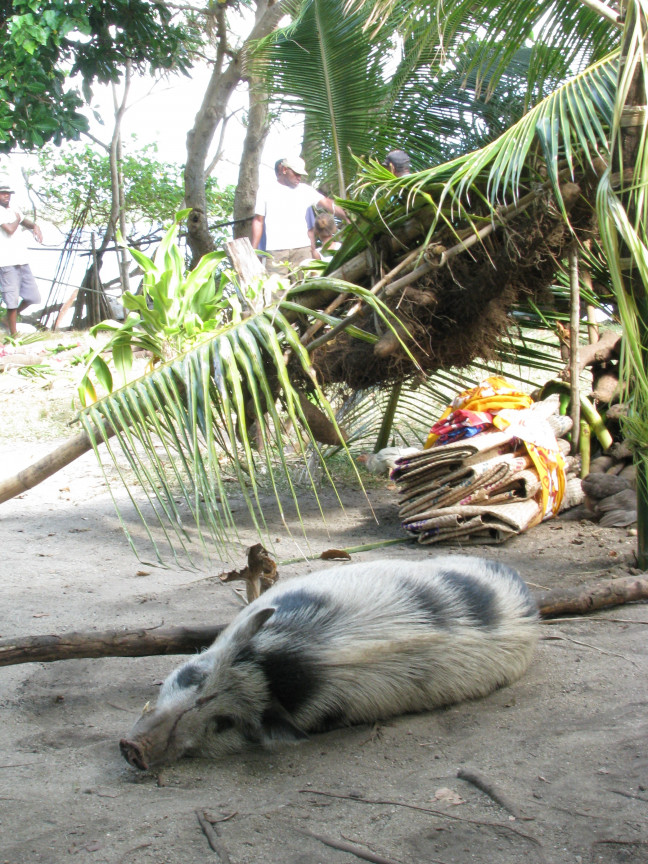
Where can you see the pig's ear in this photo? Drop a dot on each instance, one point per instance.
(253, 624)
(278, 725)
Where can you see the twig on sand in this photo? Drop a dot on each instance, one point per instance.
(443, 815)
(480, 782)
(212, 837)
(351, 848)
(563, 638)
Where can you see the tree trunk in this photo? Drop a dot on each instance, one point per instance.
(91, 305)
(50, 464)
(248, 178)
(224, 79)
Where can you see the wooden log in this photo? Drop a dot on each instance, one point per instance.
(107, 643)
(187, 640)
(48, 465)
(589, 598)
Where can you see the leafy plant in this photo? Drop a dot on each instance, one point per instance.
(173, 311)
(45, 42)
(77, 180)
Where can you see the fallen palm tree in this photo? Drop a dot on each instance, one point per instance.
(426, 279)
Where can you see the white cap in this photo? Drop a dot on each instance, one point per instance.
(297, 164)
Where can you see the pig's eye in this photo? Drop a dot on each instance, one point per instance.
(190, 676)
(221, 724)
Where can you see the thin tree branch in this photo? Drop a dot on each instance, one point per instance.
(604, 11)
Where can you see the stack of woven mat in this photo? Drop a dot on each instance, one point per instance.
(496, 477)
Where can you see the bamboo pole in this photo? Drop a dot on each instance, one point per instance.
(574, 326)
(50, 464)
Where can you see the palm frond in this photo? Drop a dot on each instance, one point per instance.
(325, 64)
(622, 208)
(569, 127)
(186, 432)
(584, 34)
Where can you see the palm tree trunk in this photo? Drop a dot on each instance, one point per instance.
(50, 464)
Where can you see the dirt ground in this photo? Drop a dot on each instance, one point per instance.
(563, 750)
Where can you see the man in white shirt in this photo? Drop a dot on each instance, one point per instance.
(282, 210)
(17, 284)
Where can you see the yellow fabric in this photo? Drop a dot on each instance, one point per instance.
(492, 395)
(547, 459)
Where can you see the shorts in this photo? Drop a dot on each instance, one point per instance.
(17, 283)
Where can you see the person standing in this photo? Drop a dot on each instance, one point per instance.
(17, 284)
(281, 209)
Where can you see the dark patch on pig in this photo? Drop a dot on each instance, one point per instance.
(292, 677)
(501, 571)
(479, 600)
(428, 601)
(303, 601)
(191, 676)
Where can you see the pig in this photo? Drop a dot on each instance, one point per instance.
(352, 644)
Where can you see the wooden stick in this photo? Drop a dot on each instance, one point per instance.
(488, 789)
(212, 837)
(441, 813)
(574, 340)
(50, 464)
(351, 848)
(107, 643)
(588, 598)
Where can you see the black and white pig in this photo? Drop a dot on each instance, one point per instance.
(352, 644)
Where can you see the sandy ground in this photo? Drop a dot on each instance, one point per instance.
(564, 748)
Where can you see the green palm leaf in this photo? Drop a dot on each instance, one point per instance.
(570, 127)
(186, 430)
(326, 64)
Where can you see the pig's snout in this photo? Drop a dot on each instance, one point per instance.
(133, 754)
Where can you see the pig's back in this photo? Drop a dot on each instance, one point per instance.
(363, 641)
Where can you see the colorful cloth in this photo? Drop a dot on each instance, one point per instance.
(496, 403)
(460, 424)
(541, 445)
(490, 397)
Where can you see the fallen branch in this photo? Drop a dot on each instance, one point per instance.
(505, 825)
(50, 464)
(213, 839)
(489, 789)
(107, 643)
(350, 848)
(187, 640)
(589, 598)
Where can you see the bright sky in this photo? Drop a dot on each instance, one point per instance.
(163, 112)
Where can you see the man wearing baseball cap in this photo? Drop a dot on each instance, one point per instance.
(281, 209)
(17, 284)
